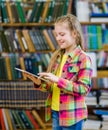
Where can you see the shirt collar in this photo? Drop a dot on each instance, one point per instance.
(75, 52)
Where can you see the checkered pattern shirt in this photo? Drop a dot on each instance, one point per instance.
(75, 84)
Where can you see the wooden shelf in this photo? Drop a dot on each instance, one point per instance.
(98, 50)
(43, 24)
(102, 73)
(105, 47)
(95, 23)
(98, 88)
(25, 24)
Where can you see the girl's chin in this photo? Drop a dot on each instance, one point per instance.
(62, 47)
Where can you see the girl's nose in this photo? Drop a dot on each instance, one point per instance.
(58, 38)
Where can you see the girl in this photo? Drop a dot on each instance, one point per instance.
(69, 75)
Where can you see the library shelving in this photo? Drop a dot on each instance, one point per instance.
(19, 34)
(27, 41)
(95, 34)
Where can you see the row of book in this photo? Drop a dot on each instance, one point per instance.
(91, 124)
(104, 116)
(99, 8)
(103, 99)
(97, 98)
(99, 11)
(19, 0)
(97, 121)
(21, 95)
(33, 63)
(27, 40)
(100, 82)
(11, 119)
(102, 59)
(91, 99)
(95, 36)
(42, 11)
(36, 39)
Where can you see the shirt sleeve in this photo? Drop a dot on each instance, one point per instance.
(83, 83)
(43, 87)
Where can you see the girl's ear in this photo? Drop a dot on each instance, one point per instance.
(74, 34)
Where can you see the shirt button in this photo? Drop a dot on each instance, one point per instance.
(60, 101)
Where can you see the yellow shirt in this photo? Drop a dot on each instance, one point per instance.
(56, 90)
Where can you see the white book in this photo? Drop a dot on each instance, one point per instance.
(99, 19)
(5, 119)
(92, 56)
(92, 125)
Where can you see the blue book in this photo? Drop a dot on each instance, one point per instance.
(99, 15)
(101, 112)
(94, 32)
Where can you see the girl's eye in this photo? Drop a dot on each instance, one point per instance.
(62, 34)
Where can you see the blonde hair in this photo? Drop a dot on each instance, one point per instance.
(74, 25)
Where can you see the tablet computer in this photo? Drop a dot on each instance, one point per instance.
(31, 74)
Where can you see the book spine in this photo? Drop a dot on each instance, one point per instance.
(37, 117)
(32, 119)
(5, 119)
(2, 120)
(9, 121)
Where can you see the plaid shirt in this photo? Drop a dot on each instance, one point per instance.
(75, 84)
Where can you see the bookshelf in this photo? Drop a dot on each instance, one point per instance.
(13, 84)
(22, 24)
(97, 99)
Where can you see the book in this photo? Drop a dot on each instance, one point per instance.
(4, 12)
(39, 11)
(33, 12)
(33, 38)
(5, 46)
(9, 121)
(70, 7)
(52, 37)
(0, 14)
(5, 119)
(8, 67)
(31, 74)
(12, 119)
(28, 39)
(9, 40)
(92, 124)
(21, 12)
(15, 12)
(39, 120)
(16, 121)
(20, 119)
(19, 37)
(45, 10)
(99, 19)
(93, 57)
(49, 17)
(2, 120)
(41, 40)
(101, 112)
(25, 119)
(48, 39)
(32, 119)
(13, 64)
(8, 6)
(99, 36)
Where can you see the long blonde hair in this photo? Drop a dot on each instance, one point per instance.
(74, 25)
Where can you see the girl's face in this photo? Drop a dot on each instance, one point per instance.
(65, 37)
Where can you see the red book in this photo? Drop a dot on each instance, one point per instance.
(32, 119)
(2, 120)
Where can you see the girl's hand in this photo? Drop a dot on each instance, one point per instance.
(37, 81)
(51, 77)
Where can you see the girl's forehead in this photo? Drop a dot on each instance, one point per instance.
(61, 25)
